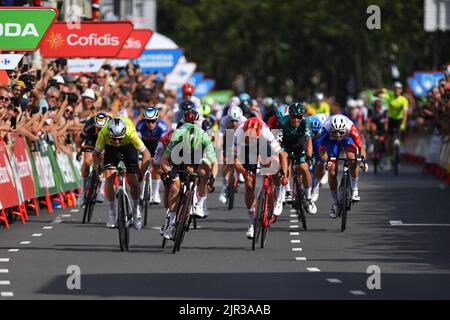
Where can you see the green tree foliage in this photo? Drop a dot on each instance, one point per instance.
(314, 44)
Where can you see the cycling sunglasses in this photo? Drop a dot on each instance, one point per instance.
(297, 116)
(6, 99)
(338, 132)
(151, 121)
(118, 140)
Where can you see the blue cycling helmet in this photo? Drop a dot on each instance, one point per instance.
(151, 113)
(316, 123)
(282, 111)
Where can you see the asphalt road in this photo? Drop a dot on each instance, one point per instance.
(402, 226)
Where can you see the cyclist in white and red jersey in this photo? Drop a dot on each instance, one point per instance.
(259, 146)
(339, 132)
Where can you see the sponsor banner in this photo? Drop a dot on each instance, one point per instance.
(22, 29)
(8, 195)
(196, 78)
(48, 169)
(416, 88)
(9, 61)
(135, 44)
(70, 179)
(91, 40)
(179, 76)
(162, 61)
(77, 66)
(40, 185)
(204, 87)
(427, 80)
(24, 168)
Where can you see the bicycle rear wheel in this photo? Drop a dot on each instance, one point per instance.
(396, 159)
(87, 199)
(230, 191)
(93, 197)
(122, 223)
(146, 199)
(265, 228)
(345, 201)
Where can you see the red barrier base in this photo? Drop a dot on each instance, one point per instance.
(21, 212)
(33, 204)
(48, 203)
(429, 168)
(4, 219)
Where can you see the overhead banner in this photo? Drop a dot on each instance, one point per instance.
(118, 63)
(135, 44)
(204, 87)
(91, 40)
(415, 87)
(77, 66)
(8, 195)
(163, 61)
(428, 80)
(180, 75)
(9, 61)
(22, 29)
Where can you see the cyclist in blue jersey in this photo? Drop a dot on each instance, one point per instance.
(151, 129)
(316, 124)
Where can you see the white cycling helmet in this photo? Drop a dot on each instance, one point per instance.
(151, 113)
(117, 128)
(337, 122)
(235, 113)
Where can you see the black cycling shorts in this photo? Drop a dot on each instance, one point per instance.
(113, 155)
(394, 126)
(89, 144)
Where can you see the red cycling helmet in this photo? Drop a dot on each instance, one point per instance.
(165, 140)
(253, 128)
(188, 89)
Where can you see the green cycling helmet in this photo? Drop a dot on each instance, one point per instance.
(297, 109)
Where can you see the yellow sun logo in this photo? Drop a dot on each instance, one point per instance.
(55, 40)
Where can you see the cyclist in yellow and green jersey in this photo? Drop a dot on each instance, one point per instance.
(119, 140)
(319, 105)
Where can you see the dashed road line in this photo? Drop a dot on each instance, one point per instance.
(357, 292)
(293, 216)
(293, 221)
(7, 294)
(334, 281)
(47, 228)
(313, 269)
(295, 241)
(66, 215)
(5, 283)
(13, 250)
(297, 249)
(4, 271)
(295, 233)
(36, 235)
(300, 258)
(75, 210)
(4, 259)
(293, 227)
(25, 242)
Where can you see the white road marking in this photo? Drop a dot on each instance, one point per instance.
(25, 242)
(5, 283)
(297, 249)
(401, 224)
(13, 250)
(75, 210)
(295, 233)
(37, 235)
(4, 271)
(300, 258)
(293, 221)
(57, 221)
(66, 215)
(293, 216)
(7, 294)
(293, 227)
(295, 241)
(357, 292)
(4, 259)
(334, 281)
(313, 269)
(47, 228)
(293, 210)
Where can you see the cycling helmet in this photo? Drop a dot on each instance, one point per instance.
(319, 96)
(187, 105)
(166, 138)
(316, 123)
(297, 109)
(234, 101)
(191, 116)
(188, 89)
(151, 113)
(253, 128)
(338, 123)
(282, 111)
(101, 119)
(205, 110)
(117, 128)
(245, 106)
(244, 97)
(235, 113)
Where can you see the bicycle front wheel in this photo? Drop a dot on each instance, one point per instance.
(230, 191)
(146, 199)
(346, 201)
(182, 221)
(300, 202)
(122, 222)
(259, 218)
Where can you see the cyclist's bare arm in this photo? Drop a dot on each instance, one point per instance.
(165, 163)
(239, 167)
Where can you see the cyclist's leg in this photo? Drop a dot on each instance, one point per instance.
(131, 161)
(351, 154)
(250, 184)
(110, 162)
(333, 152)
